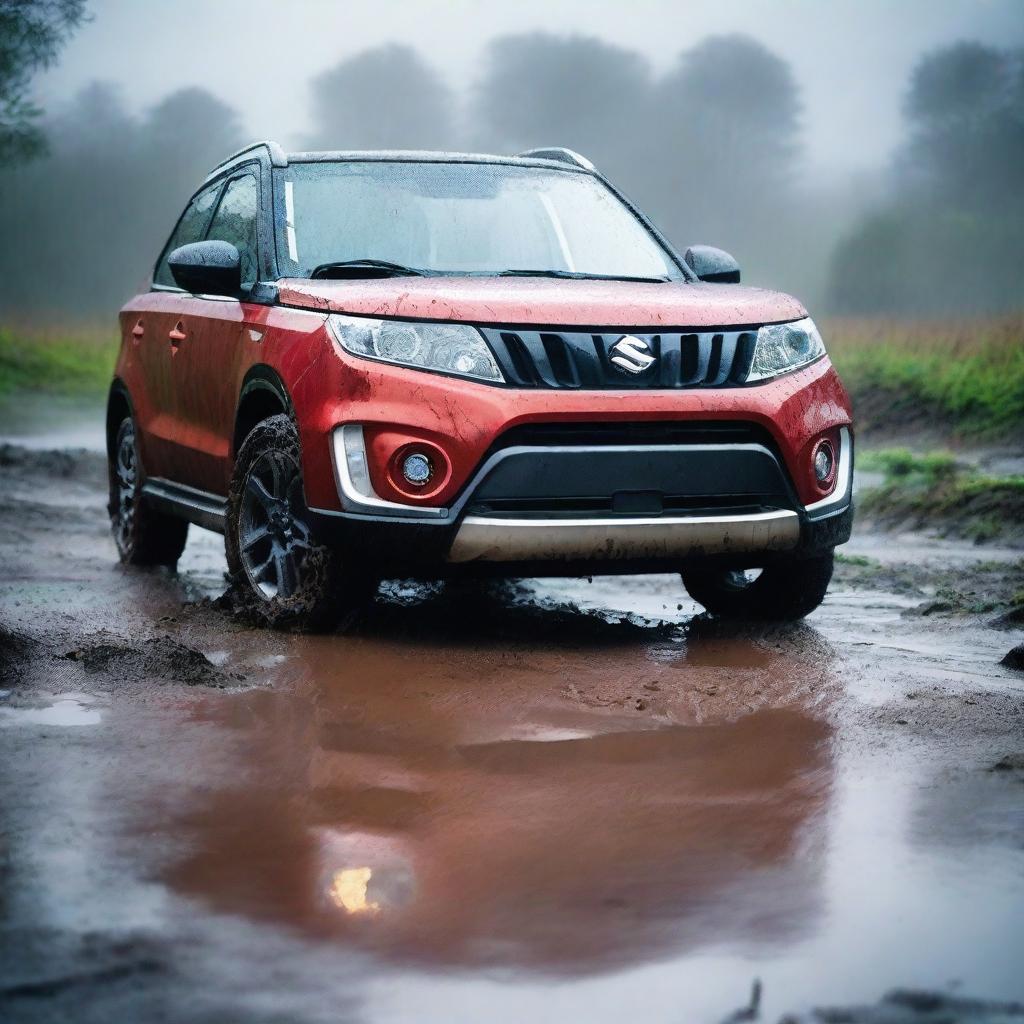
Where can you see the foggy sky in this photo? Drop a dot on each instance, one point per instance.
(851, 57)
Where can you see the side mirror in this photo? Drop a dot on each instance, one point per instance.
(207, 268)
(711, 264)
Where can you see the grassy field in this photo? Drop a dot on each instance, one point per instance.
(959, 378)
(938, 492)
(56, 362)
(964, 378)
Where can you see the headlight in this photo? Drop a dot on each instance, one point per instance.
(448, 348)
(784, 347)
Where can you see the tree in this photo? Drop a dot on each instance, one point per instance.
(31, 34)
(950, 237)
(574, 91)
(729, 117)
(386, 98)
(181, 139)
(95, 212)
(963, 81)
(965, 108)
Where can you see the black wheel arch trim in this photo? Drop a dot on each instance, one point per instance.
(260, 380)
(118, 391)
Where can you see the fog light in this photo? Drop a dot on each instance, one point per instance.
(824, 463)
(417, 469)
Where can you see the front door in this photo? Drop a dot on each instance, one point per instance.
(208, 342)
(152, 324)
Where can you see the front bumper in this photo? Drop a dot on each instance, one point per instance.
(742, 510)
(704, 465)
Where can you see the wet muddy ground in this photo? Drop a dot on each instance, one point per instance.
(549, 801)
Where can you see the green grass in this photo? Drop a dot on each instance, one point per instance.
(968, 376)
(903, 463)
(933, 490)
(56, 363)
(858, 561)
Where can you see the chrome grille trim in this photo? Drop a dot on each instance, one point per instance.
(582, 360)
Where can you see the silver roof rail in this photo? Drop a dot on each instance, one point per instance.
(561, 154)
(274, 151)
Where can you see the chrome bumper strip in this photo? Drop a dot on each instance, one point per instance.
(486, 539)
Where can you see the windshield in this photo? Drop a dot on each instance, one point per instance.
(467, 218)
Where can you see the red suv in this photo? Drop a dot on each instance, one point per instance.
(417, 365)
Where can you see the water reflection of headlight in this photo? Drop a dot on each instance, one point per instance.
(348, 891)
(363, 875)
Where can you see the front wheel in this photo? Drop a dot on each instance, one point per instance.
(783, 592)
(284, 577)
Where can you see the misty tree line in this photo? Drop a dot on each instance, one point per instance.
(712, 149)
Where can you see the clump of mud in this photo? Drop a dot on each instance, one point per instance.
(65, 465)
(1009, 763)
(160, 658)
(1014, 658)
(15, 650)
(980, 588)
(904, 1006)
(1013, 619)
(978, 509)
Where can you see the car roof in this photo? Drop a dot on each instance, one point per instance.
(552, 157)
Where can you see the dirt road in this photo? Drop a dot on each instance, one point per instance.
(555, 801)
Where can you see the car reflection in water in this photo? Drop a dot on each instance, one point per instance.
(469, 814)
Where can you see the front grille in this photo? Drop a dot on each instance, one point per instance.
(583, 361)
(633, 468)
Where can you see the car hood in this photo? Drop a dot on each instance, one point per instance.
(545, 301)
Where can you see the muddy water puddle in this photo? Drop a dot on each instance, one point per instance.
(492, 807)
(556, 801)
(64, 711)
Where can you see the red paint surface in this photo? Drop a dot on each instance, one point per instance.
(398, 406)
(185, 394)
(547, 302)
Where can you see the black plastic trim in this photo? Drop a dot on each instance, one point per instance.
(199, 507)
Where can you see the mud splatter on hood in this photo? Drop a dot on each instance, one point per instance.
(545, 301)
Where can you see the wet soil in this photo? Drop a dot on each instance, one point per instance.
(550, 800)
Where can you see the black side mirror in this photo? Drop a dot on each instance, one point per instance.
(207, 268)
(711, 264)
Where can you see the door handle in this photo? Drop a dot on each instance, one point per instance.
(177, 333)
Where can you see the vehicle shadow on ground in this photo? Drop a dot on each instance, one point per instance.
(510, 612)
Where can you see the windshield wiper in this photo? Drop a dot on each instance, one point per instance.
(365, 268)
(576, 275)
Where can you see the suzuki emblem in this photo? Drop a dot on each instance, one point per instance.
(632, 355)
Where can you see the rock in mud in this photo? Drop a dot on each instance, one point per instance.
(913, 1007)
(1014, 658)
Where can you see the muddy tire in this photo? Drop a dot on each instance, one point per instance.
(281, 576)
(143, 535)
(781, 593)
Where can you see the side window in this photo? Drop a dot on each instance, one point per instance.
(235, 222)
(191, 228)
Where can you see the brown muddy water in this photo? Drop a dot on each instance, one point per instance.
(550, 801)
